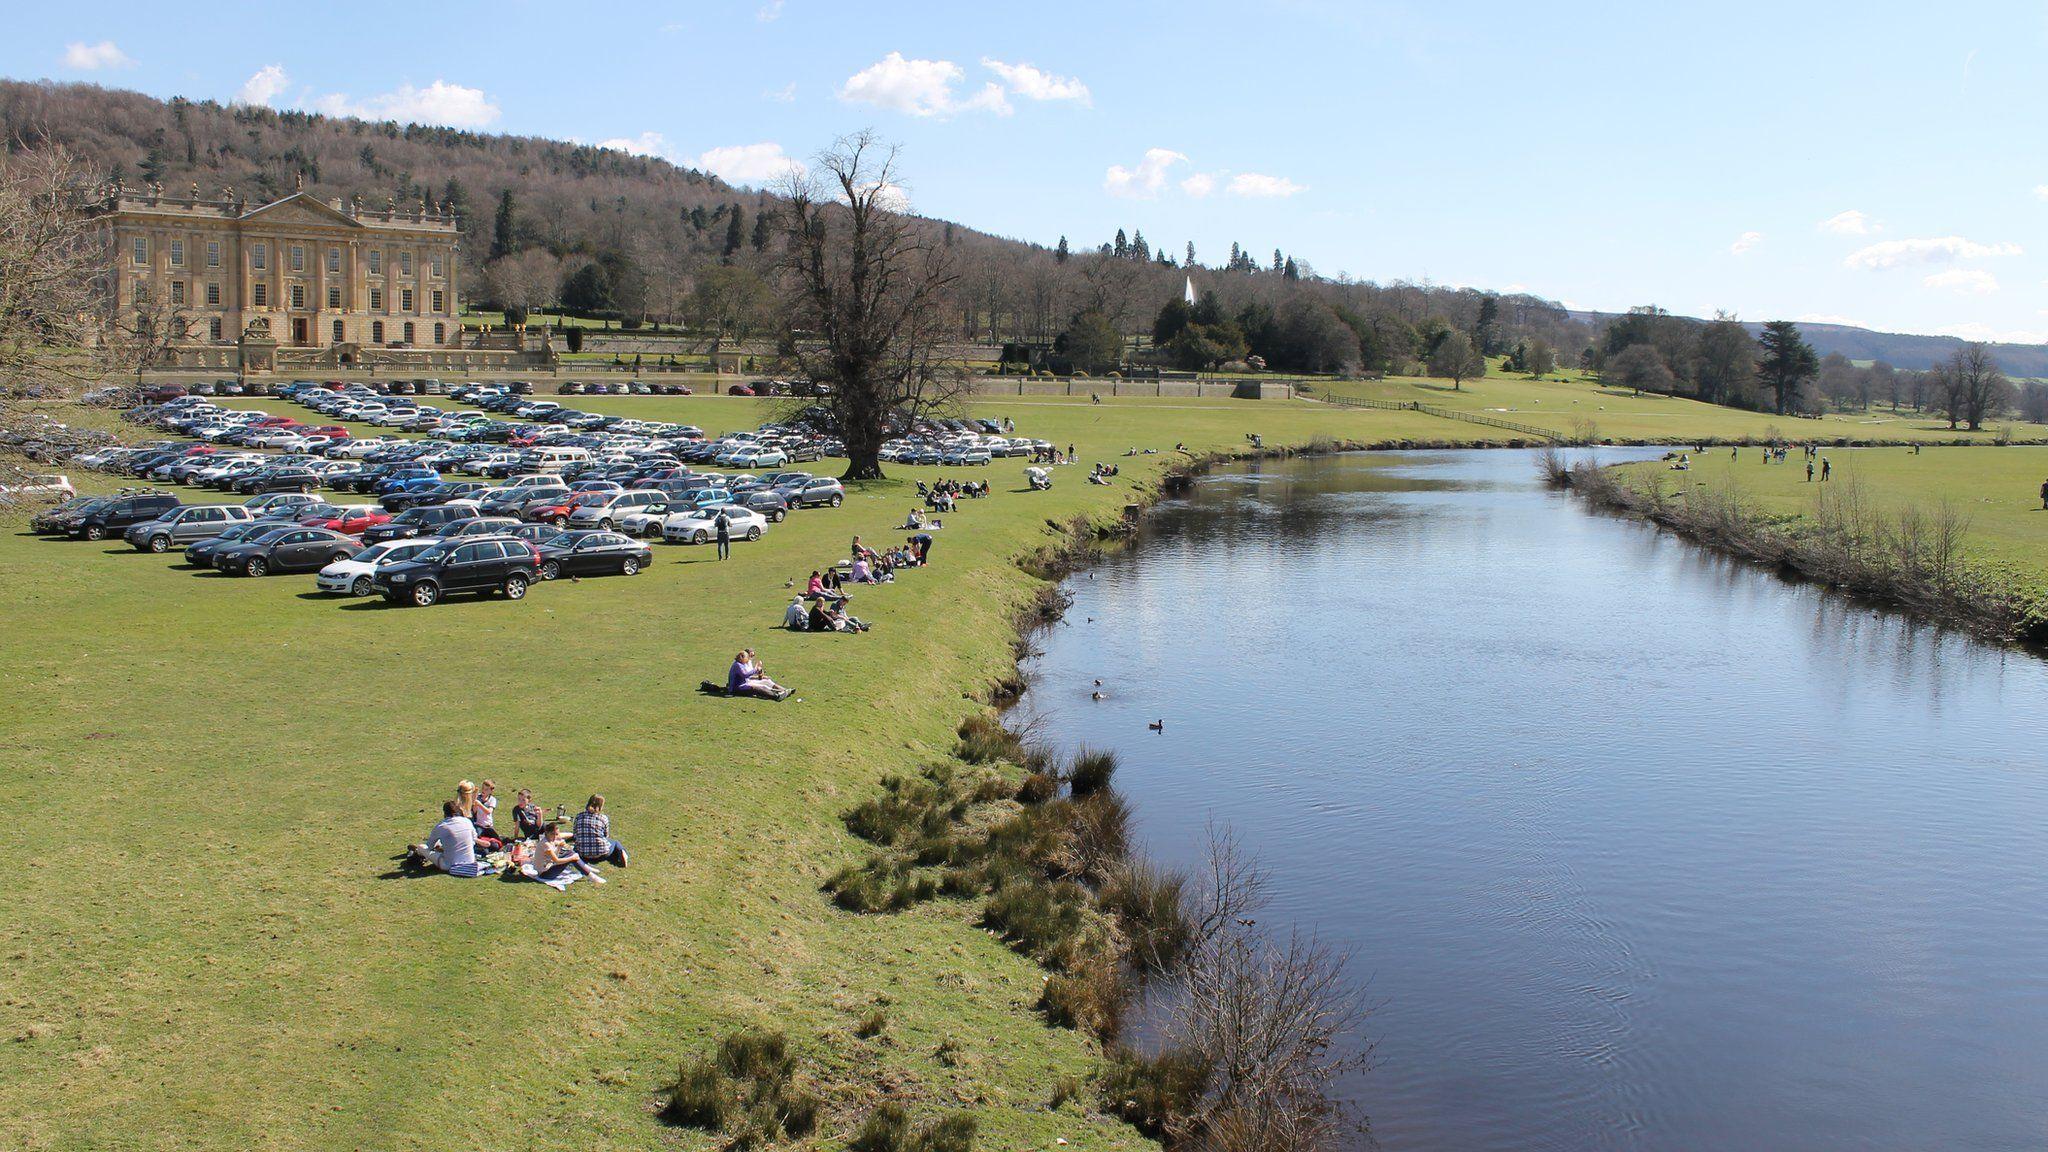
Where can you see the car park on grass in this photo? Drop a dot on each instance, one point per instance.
(354, 576)
(592, 553)
(496, 564)
(292, 548)
(699, 526)
(185, 524)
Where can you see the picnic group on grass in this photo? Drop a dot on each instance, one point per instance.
(468, 843)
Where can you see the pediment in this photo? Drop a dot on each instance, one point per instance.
(300, 208)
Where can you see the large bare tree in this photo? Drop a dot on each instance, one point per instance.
(864, 291)
(52, 269)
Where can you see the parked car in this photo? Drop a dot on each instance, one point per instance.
(200, 553)
(351, 521)
(699, 526)
(606, 513)
(768, 502)
(278, 480)
(116, 515)
(588, 553)
(816, 491)
(185, 524)
(47, 487)
(289, 549)
(355, 575)
(49, 519)
(430, 521)
(498, 564)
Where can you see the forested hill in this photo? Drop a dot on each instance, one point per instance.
(1899, 349)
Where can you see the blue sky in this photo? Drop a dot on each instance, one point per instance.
(1873, 163)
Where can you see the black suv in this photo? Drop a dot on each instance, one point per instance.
(497, 564)
(278, 480)
(114, 517)
(412, 522)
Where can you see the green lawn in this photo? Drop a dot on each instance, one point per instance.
(1563, 400)
(1998, 488)
(210, 945)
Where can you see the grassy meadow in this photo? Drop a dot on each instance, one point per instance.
(212, 945)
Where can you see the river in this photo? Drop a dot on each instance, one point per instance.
(1635, 847)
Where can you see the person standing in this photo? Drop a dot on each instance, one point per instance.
(2044, 495)
(724, 526)
(1826, 468)
(1809, 471)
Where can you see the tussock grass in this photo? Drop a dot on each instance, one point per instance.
(1090, 771)
(1148, 1092)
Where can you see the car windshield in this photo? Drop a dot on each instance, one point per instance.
(271, 535)
(437, 552)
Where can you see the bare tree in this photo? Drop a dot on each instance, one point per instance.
(1974, 386)
(52, 266)
(864, 292)
(141, 334)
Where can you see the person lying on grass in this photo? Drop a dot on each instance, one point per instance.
(746, 677)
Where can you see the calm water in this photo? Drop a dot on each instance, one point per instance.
(1637, 848)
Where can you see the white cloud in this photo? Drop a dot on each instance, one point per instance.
(1823, 318)
(93, 57)
(1745, 242)
(770, 12)
(438, 103)
(1989, 335)
(1198, 185)
(645, 144)
(2041, 191)
(1144, 181)
(754, 164)
(783, 95)
(1850, 223)
(1037, 84)
(1258, 185)
(1967, 281)
(265, 86)
(1924, 250)
(919, 87)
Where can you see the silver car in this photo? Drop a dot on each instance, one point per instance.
(187, 524)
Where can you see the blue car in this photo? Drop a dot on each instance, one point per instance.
(407, 479)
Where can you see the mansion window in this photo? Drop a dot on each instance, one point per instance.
(338, 332)
(440, 333)
(177, 253)
(334, 295)
(177, 291)
(213, 253)
(298, 258)
(438, 300)
(141, 293)
(376, 299)
(434, 267)
(298, 296)
(408, 331)
(259, 256)
(334, 259)
(142, 250)
(213, 328)
(405, 299)
(405, 263)
(376, 331)
(260, 295)
(376, 262)
(213, 295)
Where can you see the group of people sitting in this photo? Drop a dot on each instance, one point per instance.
(824, 615)
(1101, 473)
(467, 841)
(944, 495)
(746, 677)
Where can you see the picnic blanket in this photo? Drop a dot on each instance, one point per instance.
(560, 883)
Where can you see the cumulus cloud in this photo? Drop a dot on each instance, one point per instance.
(1967, 281)
(2041, 191)
(1034, 83)
(1924, 250)
(1745, 242)
(754, 164)
(1850, 223)
(438, 103)
(783, 95)
(265, 87)
(1255, 184)
(770, 12)
(1198, 185)
(645, 144)
(919, 87)
(1144, 181)
(94, 57)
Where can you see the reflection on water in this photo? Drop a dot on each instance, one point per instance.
(1638, 846)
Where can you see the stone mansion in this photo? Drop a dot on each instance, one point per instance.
(300, 281)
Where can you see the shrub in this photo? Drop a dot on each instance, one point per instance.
(1150, 904)
(1150, 1092)
(984, 739)
(697, 1099)
(1090, 771)
(1101, 829)
(1090, 998)
(1045, 920)
(1037, 788)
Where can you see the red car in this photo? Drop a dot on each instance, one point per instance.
(353, 523)
(558, 512)
(275, 422)
(331, 431)
(740, 390)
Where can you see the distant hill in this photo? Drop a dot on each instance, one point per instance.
(1899, 349)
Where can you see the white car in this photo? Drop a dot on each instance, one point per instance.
(41, 488)
(763, 457)
(700, 525)
(356, 574)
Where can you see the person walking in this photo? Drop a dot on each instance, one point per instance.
(1825, 468)
(2044, 495)
(1809, 471)
(724, 526)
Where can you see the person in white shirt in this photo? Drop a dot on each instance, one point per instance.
(451, 846)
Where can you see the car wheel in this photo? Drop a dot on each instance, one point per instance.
(836, 501)
(95, 533)
(550, 570)
(305, 489)
(515, 587)
(700, 537)
(778, 515)
(425, 593)
(360, 586)
(754, 533)
(561, 521)
(605, 524)
(159, 543)
(256, 567)
(337, 558)
(629, 567)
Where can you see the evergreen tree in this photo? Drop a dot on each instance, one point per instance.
(735, 232)
(1191, 255)
(1059, 254)
(1140, 250)
(1277, 264)
(1787, 363)
(1122, 245)
(1291, 271)
(456, 197)
(1483, 333)
(1235, 256)
(698, 219)
(502, 228)
(763, 231)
